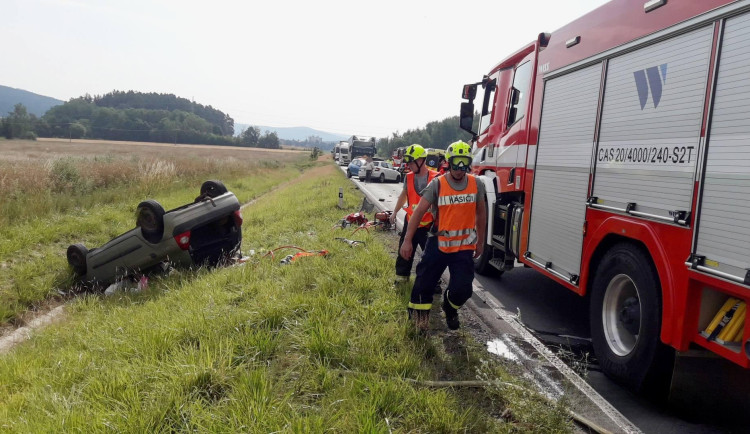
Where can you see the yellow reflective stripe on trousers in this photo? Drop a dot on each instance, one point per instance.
(420, 306)
(450, 302)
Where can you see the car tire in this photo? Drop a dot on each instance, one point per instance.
(150, 218)
(625, 315)
(382, 178)
(348, 173)
(77, 258)
(398, 178)
(213, 189)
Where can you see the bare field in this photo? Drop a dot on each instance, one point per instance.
(45, 149)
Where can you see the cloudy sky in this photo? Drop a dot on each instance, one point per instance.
(351, 67)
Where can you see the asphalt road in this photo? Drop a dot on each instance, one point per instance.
(708, 394)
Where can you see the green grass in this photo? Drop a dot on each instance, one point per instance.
(322, 344)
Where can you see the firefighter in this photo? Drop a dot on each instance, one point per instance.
(416, 180)
(369, 167)
(455, 200)
(443, 166)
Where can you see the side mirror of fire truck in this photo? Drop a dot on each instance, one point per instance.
(469, 92)
(467, 117)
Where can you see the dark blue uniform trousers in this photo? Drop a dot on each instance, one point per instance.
(403, 266)
(431, 267)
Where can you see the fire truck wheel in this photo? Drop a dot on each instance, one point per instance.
(625, 315)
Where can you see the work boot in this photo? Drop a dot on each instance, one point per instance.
(421, 319)
(451, 315)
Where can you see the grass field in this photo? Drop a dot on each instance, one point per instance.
(322, 344)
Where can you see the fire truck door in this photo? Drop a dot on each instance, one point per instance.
(651, 126)
(723, 232)
(561, 172)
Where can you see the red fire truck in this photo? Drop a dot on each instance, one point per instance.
(616, 156)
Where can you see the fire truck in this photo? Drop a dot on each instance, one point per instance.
(616, 156)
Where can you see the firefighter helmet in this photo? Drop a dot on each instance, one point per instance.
(458, 149)
(414, 152)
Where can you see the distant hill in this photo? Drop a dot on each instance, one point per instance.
(34, 103)
(293, 133)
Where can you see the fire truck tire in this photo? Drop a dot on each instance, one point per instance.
(625, 315)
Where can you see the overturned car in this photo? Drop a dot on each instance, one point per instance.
(205, 232)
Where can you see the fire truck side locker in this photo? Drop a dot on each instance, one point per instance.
(561, 173)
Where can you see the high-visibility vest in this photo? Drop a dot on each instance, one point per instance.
(413, 196)
(457, 216)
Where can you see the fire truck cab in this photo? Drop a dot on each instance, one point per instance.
(616, 159)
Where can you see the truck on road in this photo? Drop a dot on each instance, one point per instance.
(615, 155)
(360, 146)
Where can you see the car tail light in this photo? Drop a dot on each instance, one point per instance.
(183, 240)
(238, 218)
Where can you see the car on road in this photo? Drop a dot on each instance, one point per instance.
(353, 168)
(383, 171)
(204, 232)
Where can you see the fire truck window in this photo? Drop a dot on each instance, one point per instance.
(521, 82)
(487, 105)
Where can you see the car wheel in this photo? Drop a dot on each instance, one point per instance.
(382, 177)
(398, 178)
(625, 315)
(150, 218)
(348, 173)
(77, 258)
(213, 189)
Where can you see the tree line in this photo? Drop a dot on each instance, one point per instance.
(165, 118)
(134, 116)
(436, 134)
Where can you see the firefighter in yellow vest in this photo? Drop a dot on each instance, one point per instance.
(456, 201)
(416, 181)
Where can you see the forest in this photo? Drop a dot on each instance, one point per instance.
(134, 116)
(166, 118)
(436, 134)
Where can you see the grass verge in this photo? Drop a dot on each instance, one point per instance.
(319, 345)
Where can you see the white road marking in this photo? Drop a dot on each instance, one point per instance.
(569, 374)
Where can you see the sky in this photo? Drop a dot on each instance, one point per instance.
(350, 67)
